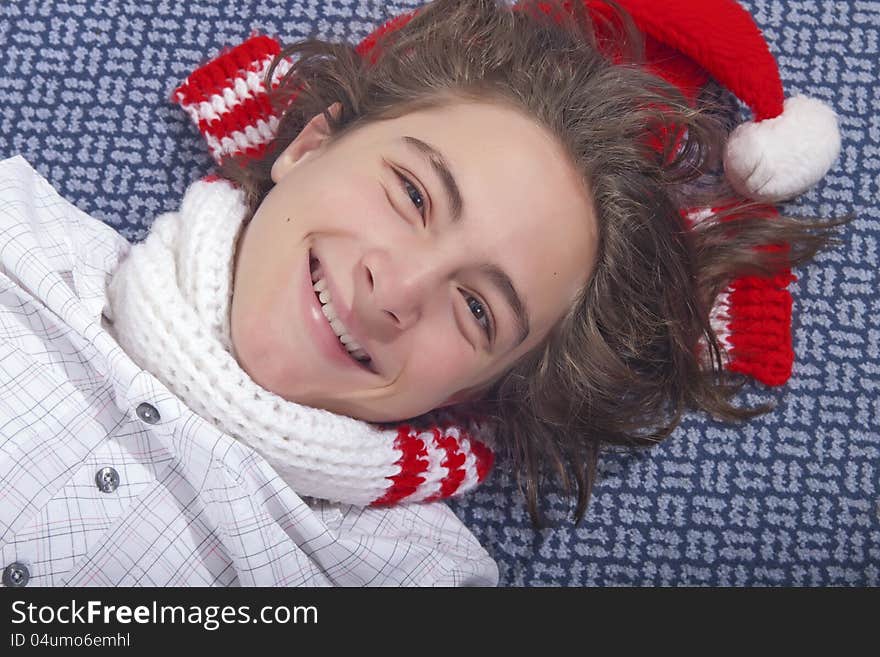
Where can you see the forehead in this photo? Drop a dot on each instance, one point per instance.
(491, 137)
(493, 148)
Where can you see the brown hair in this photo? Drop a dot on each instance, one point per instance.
(621, 366)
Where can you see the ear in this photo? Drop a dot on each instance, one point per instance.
(309, 140)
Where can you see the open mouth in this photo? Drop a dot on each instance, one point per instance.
(345, 341)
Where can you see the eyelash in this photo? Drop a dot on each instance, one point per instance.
(404, 181)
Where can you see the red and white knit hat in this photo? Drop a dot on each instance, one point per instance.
(787, 147)
(789, 144)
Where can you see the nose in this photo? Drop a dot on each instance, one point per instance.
(399, 284)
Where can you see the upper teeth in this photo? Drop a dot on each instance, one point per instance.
(320, 286)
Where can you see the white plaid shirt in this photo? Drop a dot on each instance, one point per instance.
(177, 502)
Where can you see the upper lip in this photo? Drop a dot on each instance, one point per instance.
(345, 313)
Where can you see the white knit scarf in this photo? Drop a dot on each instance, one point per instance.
(169, 301)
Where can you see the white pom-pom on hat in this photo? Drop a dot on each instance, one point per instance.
(780, 158)
(790, 144)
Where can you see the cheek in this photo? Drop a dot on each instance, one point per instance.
(253, 333)
(262, 312)
(356, 205)
(441, 360)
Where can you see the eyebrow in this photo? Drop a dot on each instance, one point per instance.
(496, 275)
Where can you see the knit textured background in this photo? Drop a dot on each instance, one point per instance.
(790, 498)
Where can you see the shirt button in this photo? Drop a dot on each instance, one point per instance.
(148, 413)
(16, 574)
(107, 480)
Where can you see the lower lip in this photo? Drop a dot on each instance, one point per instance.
(320, 329)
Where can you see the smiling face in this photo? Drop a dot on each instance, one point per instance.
(443, 294)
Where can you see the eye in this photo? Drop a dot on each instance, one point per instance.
(407, 184)
(481, 313)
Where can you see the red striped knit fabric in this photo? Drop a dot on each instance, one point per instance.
(464, 462)
(413, 464)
